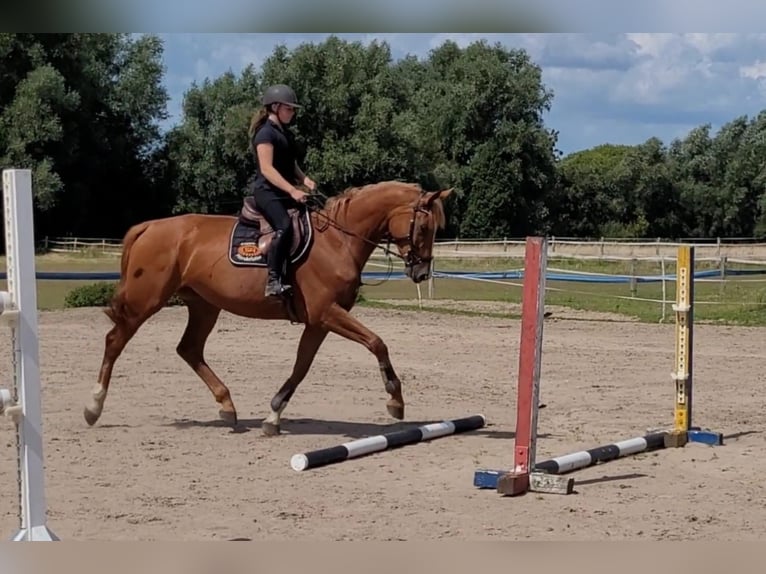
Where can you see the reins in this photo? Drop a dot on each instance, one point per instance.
(317, 209)
(316, 205)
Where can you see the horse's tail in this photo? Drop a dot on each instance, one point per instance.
(116, 309)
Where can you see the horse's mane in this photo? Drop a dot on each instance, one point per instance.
(337, 204)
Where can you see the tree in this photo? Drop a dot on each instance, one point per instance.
(481, 109)
(82, 112)
(208, 151)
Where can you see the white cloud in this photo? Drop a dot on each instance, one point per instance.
(673, 82)
(651, 45)
(755, 71)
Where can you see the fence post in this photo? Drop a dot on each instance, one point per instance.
(722, 267)
(633, 279)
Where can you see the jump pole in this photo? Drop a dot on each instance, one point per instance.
(363, 446)
(18, 310)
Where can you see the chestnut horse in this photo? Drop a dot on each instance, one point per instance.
(186, 255)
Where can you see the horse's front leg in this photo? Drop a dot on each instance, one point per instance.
(340, 321)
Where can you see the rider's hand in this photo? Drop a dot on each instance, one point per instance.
(310, 183)
(299, 195)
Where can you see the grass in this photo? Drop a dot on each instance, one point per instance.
(738, 301)
(51, 294)
(735, 302)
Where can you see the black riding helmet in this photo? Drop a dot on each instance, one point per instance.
(280, 94)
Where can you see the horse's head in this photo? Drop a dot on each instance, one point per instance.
(398, 212)
(413, 230)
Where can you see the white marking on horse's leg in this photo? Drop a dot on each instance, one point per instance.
(274, 416)
(98, 397)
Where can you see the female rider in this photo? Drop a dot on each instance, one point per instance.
(277, 174)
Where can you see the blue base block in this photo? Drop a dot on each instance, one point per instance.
(484, 478)
(705, 436)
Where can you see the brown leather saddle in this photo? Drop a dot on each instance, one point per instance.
(251, 235)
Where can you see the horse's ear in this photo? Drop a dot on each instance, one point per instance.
(434, 195)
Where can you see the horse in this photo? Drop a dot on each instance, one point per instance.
(215, 262)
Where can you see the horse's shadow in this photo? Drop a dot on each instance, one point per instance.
(346, 429)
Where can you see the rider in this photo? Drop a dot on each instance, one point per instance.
(277, 174)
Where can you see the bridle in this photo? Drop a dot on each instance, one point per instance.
(410, 258)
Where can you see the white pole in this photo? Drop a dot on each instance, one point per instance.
(18, 308)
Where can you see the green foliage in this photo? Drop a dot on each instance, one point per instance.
(83, 111)
(99, 294)
(469, 119)
(208, 150)
(96, 294)
(482, 109)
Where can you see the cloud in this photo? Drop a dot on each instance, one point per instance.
(755, 71)
(607, 87)
(629, 87)
(588, 51)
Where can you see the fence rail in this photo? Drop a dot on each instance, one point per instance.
(727, 257)
(81, 244)
(742, 249)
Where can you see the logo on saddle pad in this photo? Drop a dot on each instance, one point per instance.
(248, 251)
(251, 235)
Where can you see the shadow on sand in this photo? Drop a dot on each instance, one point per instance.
(343, 429)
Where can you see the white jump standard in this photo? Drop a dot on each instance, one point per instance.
(18, 310)
(386, 441)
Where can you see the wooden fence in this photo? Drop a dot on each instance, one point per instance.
(606, 249)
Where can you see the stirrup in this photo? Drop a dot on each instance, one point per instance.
(276, 288)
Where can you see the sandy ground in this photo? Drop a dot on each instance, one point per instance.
(158, 465)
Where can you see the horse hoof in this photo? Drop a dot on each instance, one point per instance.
(270, 429)
(396, 411)
(90, 416)
(228, 417)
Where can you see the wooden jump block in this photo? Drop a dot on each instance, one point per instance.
(676, 439)
(514, 484)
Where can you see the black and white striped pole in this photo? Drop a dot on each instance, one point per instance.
(582, 458)
(386, 441)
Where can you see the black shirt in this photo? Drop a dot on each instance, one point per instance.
(284, 156)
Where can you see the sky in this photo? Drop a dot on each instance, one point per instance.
(619, 88)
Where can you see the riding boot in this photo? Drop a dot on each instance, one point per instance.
(276, 285)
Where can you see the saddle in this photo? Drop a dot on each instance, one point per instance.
(251, 236)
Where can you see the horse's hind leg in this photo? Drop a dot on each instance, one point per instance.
(128, 316)
(202, 318)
